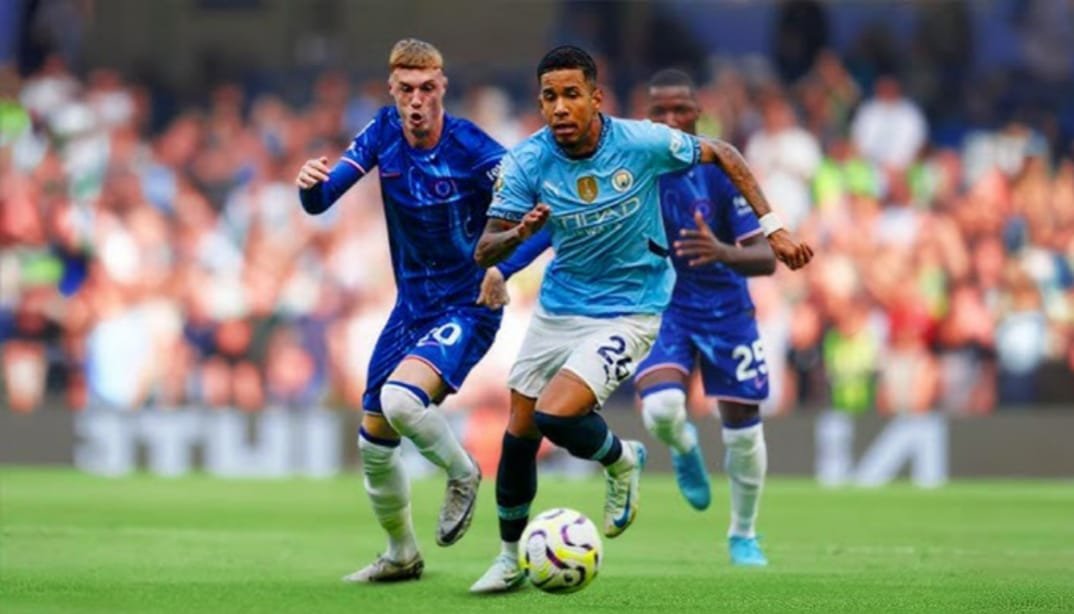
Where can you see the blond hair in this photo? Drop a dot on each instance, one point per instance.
(414, 53)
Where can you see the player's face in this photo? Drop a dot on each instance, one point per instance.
(674, 106)
(570, 106)
(419, 97)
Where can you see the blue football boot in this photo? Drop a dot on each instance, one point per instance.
(746, 552)
(690, 474)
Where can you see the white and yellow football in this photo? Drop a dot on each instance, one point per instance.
(560, 551)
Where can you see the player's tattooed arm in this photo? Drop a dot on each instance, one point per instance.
(701, 246)
(501, 236)
(724, 155)
(792, 253)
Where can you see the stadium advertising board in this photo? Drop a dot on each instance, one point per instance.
(834, 447)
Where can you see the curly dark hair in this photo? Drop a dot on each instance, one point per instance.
(567, 57)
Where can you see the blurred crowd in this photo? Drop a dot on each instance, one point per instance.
(174, 266)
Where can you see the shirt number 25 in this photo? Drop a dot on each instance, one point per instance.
(750, 361)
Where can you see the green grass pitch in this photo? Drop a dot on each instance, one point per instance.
(73, 543)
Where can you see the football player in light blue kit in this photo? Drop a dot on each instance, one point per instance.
(436, 176)
(717, 240)
(594, 180)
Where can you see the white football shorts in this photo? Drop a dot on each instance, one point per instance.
(604, 352)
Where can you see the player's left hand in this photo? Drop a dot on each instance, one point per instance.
(790, 252)
(533, 221)
(493, 292)
(701, 246)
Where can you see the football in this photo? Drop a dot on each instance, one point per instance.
(560, 551)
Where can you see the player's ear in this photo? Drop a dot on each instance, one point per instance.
(598, 96)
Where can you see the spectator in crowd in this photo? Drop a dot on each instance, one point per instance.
(966, 354)
(908, 375)
(806, 379)
(852, 355)
(785, 157)
(889, 129)
(166, 264)
(1021, 338)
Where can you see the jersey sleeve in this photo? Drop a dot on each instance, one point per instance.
(354, 164)
(669, 149)
(526, 253)
(512, 195)
(362, 154)
(737, 211)
(322, 196)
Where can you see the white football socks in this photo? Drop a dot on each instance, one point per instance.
(626, 461)
(664, 414)
(427, 428)
(388, 488)
(746, 462)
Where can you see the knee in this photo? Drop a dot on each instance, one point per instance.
(523, 424)
(543, 422)
(744, 439)
(739, 415)
(549, 425)
(403, 405)
(666, 405)
(375, 428)
(376, 455)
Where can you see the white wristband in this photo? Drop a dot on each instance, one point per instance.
(770, 223)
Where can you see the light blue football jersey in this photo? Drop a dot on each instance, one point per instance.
(611, 254)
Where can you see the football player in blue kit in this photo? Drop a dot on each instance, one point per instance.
(709, 322)
(436, 176)
(594, 180)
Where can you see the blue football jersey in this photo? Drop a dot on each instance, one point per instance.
(435, 203)
(714, 291)
(611, 251)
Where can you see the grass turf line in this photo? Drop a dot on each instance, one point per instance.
(74, 543)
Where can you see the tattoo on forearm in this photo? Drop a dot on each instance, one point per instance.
(496, 243)
(732, 163)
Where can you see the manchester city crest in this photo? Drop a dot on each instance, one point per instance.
(622, 180)
(587, 188)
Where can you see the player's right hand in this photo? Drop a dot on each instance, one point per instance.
(314, 171)
(533, 221)
(791, 253)
(493, 292)
(701, 246)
